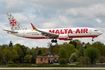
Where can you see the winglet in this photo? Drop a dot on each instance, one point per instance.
(33, 27)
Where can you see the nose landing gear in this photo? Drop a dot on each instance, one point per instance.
(92, 39)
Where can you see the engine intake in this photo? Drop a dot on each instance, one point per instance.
(64, 37)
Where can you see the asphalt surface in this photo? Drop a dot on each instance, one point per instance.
(52, 68)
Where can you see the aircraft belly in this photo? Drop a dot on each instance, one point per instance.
(14, 34)
(34, 36)
(81, 35)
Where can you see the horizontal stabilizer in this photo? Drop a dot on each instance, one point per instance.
(10, 31)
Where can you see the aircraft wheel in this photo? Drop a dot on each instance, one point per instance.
(92, 39)
(54, 41)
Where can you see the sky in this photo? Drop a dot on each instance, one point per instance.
(51, 14)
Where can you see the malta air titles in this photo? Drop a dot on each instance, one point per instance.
(69, 31)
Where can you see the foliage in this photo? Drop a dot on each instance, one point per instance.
(77, 44)
(7, 55)
(73, 57)
(39, 52)
(101, 59)
(27, 58)
(80, 52)
(69, 49)
(75, 51)
(17, 47)
(84, 60)
(92, 53)
(19, 65)
(100, 46)
(62, 61)
(15, 55)
(62, 53)
(56, 49)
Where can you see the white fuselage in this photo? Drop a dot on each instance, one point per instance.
(64, 33)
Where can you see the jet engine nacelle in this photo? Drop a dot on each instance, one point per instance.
(64, 37)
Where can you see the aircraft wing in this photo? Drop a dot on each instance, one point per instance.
(10, 31)
(49, 35)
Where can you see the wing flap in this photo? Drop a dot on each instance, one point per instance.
(50, 35)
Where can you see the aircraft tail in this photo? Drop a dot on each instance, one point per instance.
(33, 27)
(14, 23)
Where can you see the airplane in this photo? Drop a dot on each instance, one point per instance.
(53, 34)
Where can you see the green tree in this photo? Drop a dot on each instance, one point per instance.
(92, 53)
(84, 60)
(73, 57)
(39, 52)
(87, 45)
(101, 59)
(1, 55)
(50, 47)
(69, 49)
(24, 49)
(29, 51)
(80, 52)
(73, 43)
(55, 50)
(27, 58)
(62, 55)
(18, 48)
(100, 46)
(62, 61)
(6, 55)
(77, 43)
(32, 52)
(15, 55)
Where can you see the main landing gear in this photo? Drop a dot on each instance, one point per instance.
(54, 40)
(70, 40)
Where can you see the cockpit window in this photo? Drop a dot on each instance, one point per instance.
(95, 30)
